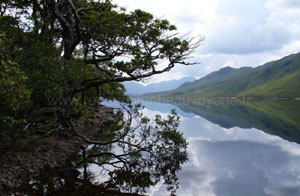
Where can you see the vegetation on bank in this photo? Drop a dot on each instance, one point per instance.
(58, 57)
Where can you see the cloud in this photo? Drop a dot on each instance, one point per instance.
(247, 27)
(236, 161)
(294, 4)
(247, 33)
(246, 168)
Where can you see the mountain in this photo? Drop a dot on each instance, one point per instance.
(279, 78)
(134, 88)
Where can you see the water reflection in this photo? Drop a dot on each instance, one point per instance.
(279, 118)
(235, 150)
(131, 152)
(240, 168)
(57, 183)
(241, 149)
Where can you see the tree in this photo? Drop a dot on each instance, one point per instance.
(58, 53)
(66, 49)
(90, 37)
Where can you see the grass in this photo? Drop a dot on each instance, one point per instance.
(274, 79)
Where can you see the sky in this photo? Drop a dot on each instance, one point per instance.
(237, 33)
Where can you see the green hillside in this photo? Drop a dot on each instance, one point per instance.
(279, 78)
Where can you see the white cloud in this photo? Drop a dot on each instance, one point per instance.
(247, 27)
(275, 4)
(229, 63)
(246, 33)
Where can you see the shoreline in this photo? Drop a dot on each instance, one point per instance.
(213, 97)
(205, 99)
(47, 153)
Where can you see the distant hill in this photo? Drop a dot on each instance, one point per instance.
(134, 88)
(279, 78)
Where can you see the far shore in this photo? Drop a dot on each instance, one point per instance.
(146, 97)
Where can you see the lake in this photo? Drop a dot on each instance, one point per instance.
(236, 148)
(249, 149)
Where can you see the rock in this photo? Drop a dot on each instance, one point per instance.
(15, 166)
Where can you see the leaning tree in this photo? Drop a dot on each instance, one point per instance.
(67, 49)
(91, 43)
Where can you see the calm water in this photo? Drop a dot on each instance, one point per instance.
(237, 149)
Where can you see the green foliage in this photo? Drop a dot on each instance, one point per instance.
(15, 98)
(114, 91)
(60, 62)
(58, 56)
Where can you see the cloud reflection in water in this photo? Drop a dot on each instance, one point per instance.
(234, 162)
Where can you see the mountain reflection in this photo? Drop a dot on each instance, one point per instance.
(234, 149)
(280, 117)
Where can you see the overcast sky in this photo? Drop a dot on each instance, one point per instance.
(238, 32)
